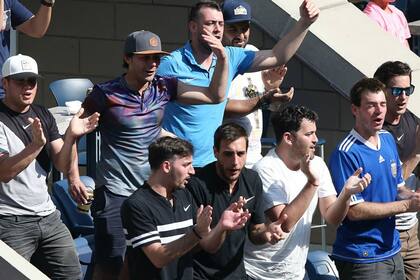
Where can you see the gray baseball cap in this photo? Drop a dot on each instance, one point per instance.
(143, 42)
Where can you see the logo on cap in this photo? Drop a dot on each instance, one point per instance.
(154, 42)
(240, 10)
(26, 65)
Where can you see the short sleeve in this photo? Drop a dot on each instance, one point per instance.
(4, 147)
(52, 128)
(19, 13)
(240, 59)
(274, 190)
(140, 227)
(257, 215)
(95, 101)
(326, 187)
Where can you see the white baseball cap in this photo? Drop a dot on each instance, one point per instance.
(20, 67)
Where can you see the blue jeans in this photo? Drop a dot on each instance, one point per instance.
(390, 269)
(44, 241)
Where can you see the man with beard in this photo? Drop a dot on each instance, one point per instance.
(159, 218)
(220, 184)
(367, 244)
(294, 180)
(403, 125)
(194, 64)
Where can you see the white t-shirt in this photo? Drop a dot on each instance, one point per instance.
(286, 259)
(253, 122)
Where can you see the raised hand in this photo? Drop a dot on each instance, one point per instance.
(203, 220)
(309, 13)
(38, 137)
(81, 126)
(308, 169)
(355, 184)
(277, 96)
(273, 78)
(234, 218)
(215, 44)
(274, 233)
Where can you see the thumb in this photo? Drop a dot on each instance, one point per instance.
(200, 210)
(31, 120)
(358, 172)
(281, 220)
(81, 111)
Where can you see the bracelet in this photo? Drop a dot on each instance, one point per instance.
(47, 3)
(196, 233)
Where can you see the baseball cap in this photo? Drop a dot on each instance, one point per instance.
(20, 67)
(143, 42)
(236, 11)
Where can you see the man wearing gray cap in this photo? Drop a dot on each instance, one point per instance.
(132, 107)
(29, 142)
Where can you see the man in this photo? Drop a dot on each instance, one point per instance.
(29, 142)
(294, 179)
(132, 108)
(194, 64)
(159, 217)
(221, 183)
(367, 244)
(403, 124)
(237, 18)
(14, 15)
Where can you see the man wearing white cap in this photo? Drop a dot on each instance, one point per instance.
(29, 142)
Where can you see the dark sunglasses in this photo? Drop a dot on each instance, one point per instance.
(397, 91)
(28, 81)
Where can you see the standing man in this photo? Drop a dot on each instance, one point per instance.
(15, 15)
(294, 180)
(194, 64)
(237, 17)
(29, 143)
(160, 221)
(367, 244)
(403, 125)
(132, 107)
(220, 184)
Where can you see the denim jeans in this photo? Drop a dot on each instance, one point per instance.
(44, 241)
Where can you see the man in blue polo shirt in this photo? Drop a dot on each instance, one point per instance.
(14, 15)
(194, 64)
(367, 244)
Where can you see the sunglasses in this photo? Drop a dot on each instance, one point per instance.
(397, 91)
(28, 81)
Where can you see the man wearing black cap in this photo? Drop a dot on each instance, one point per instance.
(29, 142)
(237, 17)
(132, 107)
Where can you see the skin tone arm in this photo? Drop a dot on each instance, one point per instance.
(288, 45)
(2, 27)
(216, 91)
(409, 165)
(37, 25)
(272, 233)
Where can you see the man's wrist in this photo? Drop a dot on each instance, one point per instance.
(48, 3)
(264, 101)
(194, 230)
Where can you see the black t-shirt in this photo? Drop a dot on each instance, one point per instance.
(208, 188)
(147, 218)
(19, 124)
(404, 134)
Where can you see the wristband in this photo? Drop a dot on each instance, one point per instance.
(48, 3)
(196, 233)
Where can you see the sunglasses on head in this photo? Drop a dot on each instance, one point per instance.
(397, 91)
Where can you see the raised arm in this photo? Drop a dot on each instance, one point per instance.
(37, 25)
(216, 91)
(288, 45)
(2, 26)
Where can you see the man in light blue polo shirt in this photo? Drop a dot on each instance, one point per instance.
(194, 64)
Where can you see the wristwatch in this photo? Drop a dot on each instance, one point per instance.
(48, 3)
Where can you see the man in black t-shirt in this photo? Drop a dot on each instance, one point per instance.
(403, 125)
(161, 221)
(29, 142)
(221, 183)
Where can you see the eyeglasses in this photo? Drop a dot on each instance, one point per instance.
(397, 91)
(28, 81)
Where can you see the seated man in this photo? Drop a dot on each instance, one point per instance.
(221, 183)
(159, 217)
(368, 244)
(294, 179)
(29, 142)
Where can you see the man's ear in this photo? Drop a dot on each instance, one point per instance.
(127, 59)
(192, 26)
(166, 166)
(288, 138)
(354, 109)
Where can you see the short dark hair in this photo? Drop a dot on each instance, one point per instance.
(365, 84)
(195, 10)
(166, 148)
(229, 132)
(127, 55)
(290, 119)
(391, 69)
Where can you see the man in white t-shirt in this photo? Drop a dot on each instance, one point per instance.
(294, 179)
(237, 18)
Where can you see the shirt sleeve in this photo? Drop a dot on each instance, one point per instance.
(257, 215)
(19, 13)
(4, 147)
(326, 187)
(52, 128)
(240, 59)
(196, 188)
(95, 101)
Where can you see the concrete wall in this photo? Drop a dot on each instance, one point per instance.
(86, 37)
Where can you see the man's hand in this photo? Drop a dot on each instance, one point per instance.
(78, 191)
(215, 44)
(79, 127)
(277, 96)
(38, 137)
(203, 220)
(309, 13)
(414, 202)
(234, 218)
(273, 78)
(308, 169)
(354, 184)
(274, 233)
